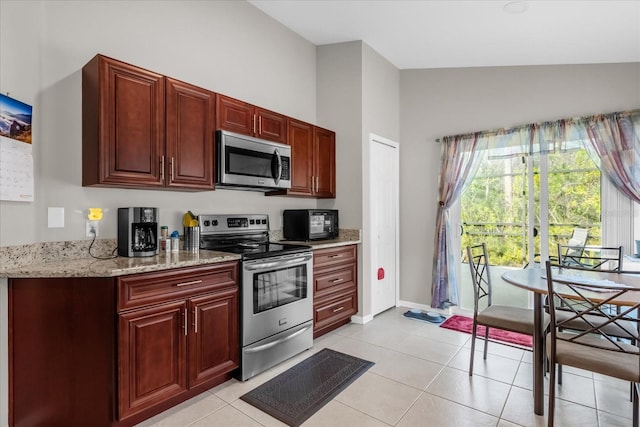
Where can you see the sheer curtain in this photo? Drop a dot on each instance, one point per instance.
(461, 156)
(612, 140)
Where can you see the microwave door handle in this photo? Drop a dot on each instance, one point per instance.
(276, 166)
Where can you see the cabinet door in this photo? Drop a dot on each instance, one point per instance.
(234, 115)
(325, 163)
(152, 356)
(123, 124)
(271, 126)
(189, 146)
(214, 335)
(301, 142)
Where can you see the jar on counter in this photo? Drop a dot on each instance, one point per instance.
(175, 241)
(164, 238)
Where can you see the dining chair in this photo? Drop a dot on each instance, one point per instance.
(591, 257)
(509, 318)
(594, 348)
(599, 258)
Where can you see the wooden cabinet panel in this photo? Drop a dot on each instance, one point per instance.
(301, 142)
(238, 116)
(331, 257)
(334, 313)
(271, 125)
(334, 280)
(335, 289)
(152, 288)
(325, 163)
(190, 116)
(152, 359)
(123, 124)
(214, 344)
(234, 115)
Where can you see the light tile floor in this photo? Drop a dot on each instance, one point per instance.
(420, 378)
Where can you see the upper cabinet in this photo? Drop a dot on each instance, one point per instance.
(312, 159)
(141, 129)
(324, 162)
(238, 116)
(122, 125)
(190, 131)
(133, 137)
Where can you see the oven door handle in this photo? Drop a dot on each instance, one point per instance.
(276, 342)
(277, 264)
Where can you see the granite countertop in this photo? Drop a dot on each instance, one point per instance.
(118, 266)
(71, 259)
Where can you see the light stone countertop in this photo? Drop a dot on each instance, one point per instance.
(71, 259)
(118, 266)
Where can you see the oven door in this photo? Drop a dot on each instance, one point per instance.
(276, 295)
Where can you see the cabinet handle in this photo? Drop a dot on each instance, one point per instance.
(254, 123)
(335, 256)
(260, 125)
(195, 320)
(162, 168)
(171, 164)
(185, 321)
(335, 310)
(193, 282)
(337, 280)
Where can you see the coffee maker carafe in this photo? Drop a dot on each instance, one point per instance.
(138, 232)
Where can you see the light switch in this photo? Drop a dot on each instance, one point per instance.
(55, 217)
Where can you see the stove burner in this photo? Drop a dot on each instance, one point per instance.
(247, 235)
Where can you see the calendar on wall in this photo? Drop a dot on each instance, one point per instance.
(16, 158)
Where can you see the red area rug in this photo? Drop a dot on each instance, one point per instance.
(464, 324)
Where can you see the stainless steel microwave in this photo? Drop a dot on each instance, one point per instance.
(248, 163)
(310, 224)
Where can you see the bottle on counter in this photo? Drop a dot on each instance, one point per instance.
(175, 241)
(164, 237)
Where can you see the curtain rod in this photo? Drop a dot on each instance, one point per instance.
(498, 131)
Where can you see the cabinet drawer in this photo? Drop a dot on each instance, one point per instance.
(334, 310)
(333, 256)
(153, 288)
(335, 280)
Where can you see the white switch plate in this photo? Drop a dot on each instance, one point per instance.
(55, 217)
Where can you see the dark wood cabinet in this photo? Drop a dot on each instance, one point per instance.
(238, 116)
(152, 360)
(189, 147)
(117, 351)
(122, 124)
(324, 163)
(335, 287)
(313, 171)
(144, 130)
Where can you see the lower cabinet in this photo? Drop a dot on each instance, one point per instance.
(116, 351)
(335, 287)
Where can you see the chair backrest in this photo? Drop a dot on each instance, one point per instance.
(584, 298)
(592, 257)
(480, 277)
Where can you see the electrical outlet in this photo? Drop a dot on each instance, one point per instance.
(91, 228)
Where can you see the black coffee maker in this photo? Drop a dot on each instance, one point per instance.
(138, 232)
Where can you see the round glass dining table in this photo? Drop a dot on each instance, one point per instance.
(534, 279)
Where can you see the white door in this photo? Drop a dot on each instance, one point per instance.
(384, 223)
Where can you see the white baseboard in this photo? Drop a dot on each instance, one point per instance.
(361, 320)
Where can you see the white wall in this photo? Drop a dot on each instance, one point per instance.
(228, 47)
(358, 94)
(441, 102)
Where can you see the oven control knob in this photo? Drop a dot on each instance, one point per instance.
(214, 222)
(206, 223)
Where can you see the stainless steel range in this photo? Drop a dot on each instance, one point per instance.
(276, 310)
